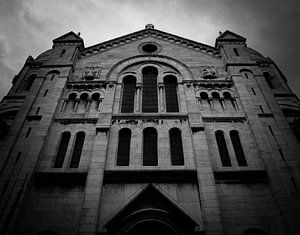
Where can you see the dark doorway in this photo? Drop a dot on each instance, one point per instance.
(151, 227)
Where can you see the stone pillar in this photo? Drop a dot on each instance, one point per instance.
(211, 211)
(91, 202)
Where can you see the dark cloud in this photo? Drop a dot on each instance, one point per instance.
(28, 27)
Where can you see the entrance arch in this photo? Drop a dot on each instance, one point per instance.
(151, 226)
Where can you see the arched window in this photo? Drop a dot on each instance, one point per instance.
(176, 147)
(229, 102)
(29, 82)
(124, 147)
(238, 149)
(217, 101)
(62, 149)
(128, 94)
(205, 104)
(77, 149)
(246, 73)
(171, 94)
(82, 103)
(95, 103)
(150, 147)
(270, 80)
(149, 101)
(52, 75)
(225, 159)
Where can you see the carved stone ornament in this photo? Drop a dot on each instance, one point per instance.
(208, 72)
(90, 73)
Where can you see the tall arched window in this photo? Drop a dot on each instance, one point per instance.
(238, 149)
(124, 147)
(225, 159)
(149, 101)
(29, 82)
(128, 94)
(150, 147)
(62, 149)
(177, 157)
(270, 80)
(78, 145)
(171, 94)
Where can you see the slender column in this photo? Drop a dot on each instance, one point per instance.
(138, 97)
(161, 97)
(222, 103)
(76, 105)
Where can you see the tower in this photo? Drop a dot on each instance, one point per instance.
(149, 133)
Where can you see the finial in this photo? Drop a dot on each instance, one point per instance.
(149, 26)
(220, 32)
(78, 34)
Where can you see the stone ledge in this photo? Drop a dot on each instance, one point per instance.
(60, 178)
(150, 176)
(236, 177)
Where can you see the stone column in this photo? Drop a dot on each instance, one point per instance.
(91, 202)
(211, 211)
(161, 97)
(138, 97)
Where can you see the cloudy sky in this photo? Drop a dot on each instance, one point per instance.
(27, 27)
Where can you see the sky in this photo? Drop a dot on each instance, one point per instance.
(27, 27)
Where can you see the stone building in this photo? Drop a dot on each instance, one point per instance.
(150, 133)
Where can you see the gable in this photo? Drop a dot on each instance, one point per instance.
(68, 37)
(156, 34)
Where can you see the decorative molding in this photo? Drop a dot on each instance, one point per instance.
(224, 119)
(150, 176)
(66, 121)
(60, 178)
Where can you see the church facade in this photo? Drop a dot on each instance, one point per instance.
(150, 133)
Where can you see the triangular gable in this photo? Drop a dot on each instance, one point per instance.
(68, 37)
(229, 36)
(146, 190)
(193, 45)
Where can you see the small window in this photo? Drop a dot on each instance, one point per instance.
(79, 141)
(236, 52)
(150, 147)
(238, 149)
(177, 157)
(223, 151)
(62, 149)
(63, 51)
(124, 147)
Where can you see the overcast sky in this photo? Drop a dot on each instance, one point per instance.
(27, 27)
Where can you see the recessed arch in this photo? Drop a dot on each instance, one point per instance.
(177, 65)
